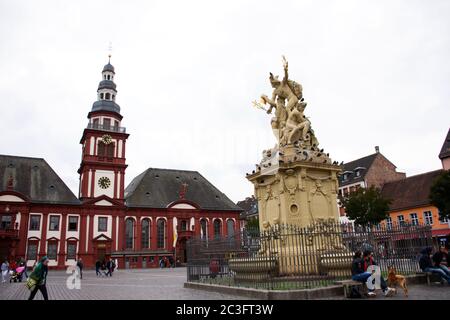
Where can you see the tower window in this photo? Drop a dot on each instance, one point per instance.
(113, 97)
(107, 96)
(109, 77)
(104, 76)
(101, 95)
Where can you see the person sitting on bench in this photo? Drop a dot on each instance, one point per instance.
(426, 264)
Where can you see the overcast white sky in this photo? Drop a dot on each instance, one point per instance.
(373, 73)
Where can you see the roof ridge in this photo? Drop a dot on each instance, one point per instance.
(414, 176)
(23, 157)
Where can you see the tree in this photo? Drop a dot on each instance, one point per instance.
(366, 206)
(440, 194)
(253, 225)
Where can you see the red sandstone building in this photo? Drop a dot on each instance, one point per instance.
(152, 217)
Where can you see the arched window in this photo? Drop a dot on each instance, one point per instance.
(203, 229)
(183, 225)
(107, 96)
(101, 95)
(161, 230)
(145, 233)
(129, 233)
(230, 228)
(113, 96)
(109, 77)
(217, 228)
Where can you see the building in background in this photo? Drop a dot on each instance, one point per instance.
(372, 170)
(250, 210)
(444, 155)
(150, 219)
(411, 204)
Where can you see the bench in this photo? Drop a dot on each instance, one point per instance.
(431, 276)
(349, 284)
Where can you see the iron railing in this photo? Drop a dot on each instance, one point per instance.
(289, 257)
(97, 126)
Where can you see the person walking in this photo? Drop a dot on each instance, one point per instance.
(38, 279)
(5, 270)
(98, 265)
(80, 267)
(426, 264)
(109, 268)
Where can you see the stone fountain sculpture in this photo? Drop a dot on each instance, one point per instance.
(296, 182)
(296, 185)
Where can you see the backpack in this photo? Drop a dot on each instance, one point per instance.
(354, 293)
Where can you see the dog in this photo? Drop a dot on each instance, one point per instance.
(395, 279)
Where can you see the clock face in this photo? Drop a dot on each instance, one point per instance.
(104, 182)
(106, 138)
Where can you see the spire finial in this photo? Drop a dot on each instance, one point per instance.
(110, 52)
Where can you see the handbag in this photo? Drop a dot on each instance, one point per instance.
(31, 283)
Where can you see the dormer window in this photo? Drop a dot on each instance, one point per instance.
(358, 171)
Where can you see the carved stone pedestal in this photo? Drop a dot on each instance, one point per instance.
(298, 193)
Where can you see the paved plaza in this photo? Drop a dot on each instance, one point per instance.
(157, 284)
(137, 284)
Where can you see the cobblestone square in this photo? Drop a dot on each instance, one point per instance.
(162, 284)
(137, 284)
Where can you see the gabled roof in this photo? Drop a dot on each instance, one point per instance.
(249, 205)
(410, 192)
(349, 168)
(34, 178)
(157, 188)
(445, 150)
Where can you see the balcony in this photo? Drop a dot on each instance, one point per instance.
(96, 126)
(9, 233)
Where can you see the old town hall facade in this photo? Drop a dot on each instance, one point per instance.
(152, 217)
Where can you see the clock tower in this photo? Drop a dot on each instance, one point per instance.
(102, 168)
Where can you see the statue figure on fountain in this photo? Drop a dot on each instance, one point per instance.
(290, 125)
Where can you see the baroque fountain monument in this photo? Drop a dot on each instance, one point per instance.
(296, 186)
(296, 181)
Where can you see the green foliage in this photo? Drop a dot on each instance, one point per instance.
(253, 224)
(440, 194)
(366, 206)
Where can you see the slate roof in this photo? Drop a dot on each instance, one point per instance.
(107, 84)
(249, 206)
(105, 105)
(34, 178)
(349, 167)
(108, 67)
(410, 192)
(157, 188)
(445, 150)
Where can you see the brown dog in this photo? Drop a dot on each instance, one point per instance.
(395, 279)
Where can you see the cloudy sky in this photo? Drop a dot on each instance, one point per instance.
(373, 73)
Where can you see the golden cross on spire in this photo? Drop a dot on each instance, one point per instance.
(110, 52)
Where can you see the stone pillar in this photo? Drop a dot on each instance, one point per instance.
(82, 228)
(121, 235)
(23, 233)
(62, 242)
(43, 242)
(153, 235)
(138, 234)
(114, 234)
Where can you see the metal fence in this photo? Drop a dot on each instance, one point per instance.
(289, 257)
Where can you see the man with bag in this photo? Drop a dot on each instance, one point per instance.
(38, 279)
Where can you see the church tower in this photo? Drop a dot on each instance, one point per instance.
(102, 168)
